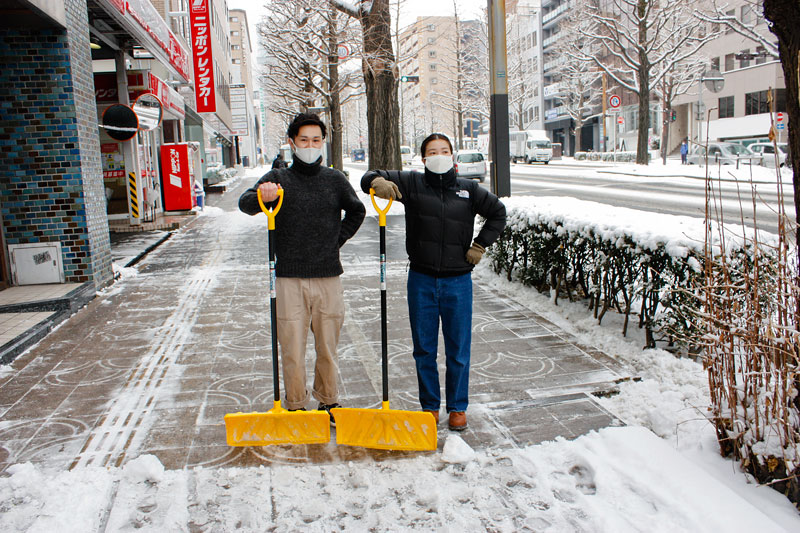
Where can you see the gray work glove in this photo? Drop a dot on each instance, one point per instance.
(475, 253)
(385, 189)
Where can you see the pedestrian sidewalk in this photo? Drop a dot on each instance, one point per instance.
(29, 312)
(152, 365)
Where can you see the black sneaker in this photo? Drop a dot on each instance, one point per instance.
(323, 407)
(299, 409)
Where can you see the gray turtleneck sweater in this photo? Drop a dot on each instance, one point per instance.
(309, 228)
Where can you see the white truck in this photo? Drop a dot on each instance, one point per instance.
(538, 147)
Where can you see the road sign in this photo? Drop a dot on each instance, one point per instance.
(620, 120)
(343, 50)
(614, 101)
(780, 117)
(780, 125)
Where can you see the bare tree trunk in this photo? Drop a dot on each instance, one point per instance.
(334, 99)
(380, 77)
(644, 88)
(785, 18)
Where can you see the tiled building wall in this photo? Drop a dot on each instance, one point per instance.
(51, 185)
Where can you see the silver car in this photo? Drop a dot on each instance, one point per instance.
(470, 164)
(724, 153)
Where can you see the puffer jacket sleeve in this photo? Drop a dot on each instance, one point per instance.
(492, 209)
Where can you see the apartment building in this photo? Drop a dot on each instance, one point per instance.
(242, 101)
(738, 110)
(436, 56)
(524, 61)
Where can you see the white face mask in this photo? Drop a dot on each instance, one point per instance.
(439, 164)
(307, 155)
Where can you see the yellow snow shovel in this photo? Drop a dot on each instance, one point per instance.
(384, 428)
(277, 426)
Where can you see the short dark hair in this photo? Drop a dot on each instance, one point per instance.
(305, 119)
(433, 137)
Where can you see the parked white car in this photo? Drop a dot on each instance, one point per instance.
(470, 164)
(724, 153)
(767, 150)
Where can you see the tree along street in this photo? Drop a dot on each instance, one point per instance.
(658, 194)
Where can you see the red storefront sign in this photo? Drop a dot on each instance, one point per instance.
(176, 177)
(203, 60)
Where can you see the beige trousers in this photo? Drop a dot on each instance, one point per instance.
(318, 303)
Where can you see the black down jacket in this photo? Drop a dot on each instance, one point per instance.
(440, 218)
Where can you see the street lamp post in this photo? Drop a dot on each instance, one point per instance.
(714, 82)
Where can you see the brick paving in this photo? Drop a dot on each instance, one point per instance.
(154, 363)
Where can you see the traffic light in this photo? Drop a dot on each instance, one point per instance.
(415, 79)
(674, 116)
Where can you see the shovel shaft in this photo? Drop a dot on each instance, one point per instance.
(273, 314)
(273, 307)
(384, 330)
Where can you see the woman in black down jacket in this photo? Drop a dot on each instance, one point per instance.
(440, 218)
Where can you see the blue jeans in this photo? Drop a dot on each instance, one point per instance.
(449, 300)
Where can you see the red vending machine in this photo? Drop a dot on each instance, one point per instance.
(177, 174)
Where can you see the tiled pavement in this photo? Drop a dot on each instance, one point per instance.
(154, 363)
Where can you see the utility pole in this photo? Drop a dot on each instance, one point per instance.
(500, 169)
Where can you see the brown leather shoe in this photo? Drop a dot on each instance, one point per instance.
(458, 421)
(434, 413)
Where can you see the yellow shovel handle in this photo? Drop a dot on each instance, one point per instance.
(271, 212)
(381, 212)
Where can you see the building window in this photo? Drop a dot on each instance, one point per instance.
(236, 61)
(730, 13)
(761, 59)
(235, 33)
(729, 62)
(235, 46)
(744, 62)
(431, 40)
(434, 81)
(755, 103)
(432, 53)
(715, 63)
(432, 66)
(234, 19)
(726, 107)
(536, 113)
(746, 15)
(431, 27)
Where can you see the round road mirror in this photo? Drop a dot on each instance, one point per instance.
(120, 122)
(148, 108)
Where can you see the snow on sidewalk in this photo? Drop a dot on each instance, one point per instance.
(617, 479)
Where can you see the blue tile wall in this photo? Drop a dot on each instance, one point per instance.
(51, 184)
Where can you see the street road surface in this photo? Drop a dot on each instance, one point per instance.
(676, 195)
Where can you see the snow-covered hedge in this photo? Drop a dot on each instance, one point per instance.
(641, 264)
(619, 157)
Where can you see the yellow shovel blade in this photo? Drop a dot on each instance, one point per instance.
(277, 426)
(385, 429)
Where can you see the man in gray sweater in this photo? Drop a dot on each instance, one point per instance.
(309, 230)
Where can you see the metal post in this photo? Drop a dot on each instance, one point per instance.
(130, 157)
(498, 116)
